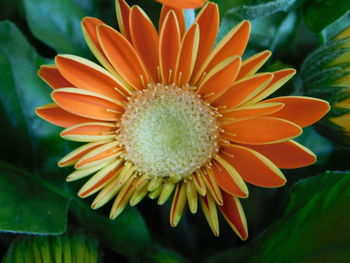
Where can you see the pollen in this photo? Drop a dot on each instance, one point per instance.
(168, 131)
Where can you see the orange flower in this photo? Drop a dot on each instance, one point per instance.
(183, 3)
(168, 112)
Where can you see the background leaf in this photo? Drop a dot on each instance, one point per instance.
(320, 13)
(314, 227)
(57, 23)
(27, 207)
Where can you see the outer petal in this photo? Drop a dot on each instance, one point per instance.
(74, 156)
(51, 75)
(179, 16)
(169, 47)
(182, 4)
(145, 41)
(87, 75)
(279, 79)
(252, 111)
(89, 27)
(234, 43)
(56, 115)
(228, 178)
(234, 215)
(252, 166)
(187, 55)
(253, 64)
(220, 78)
(122, 56)
(209, 210)
(243, 90)
(208, 21)
(303, 111)
(261, 130)
(178, 204)
(99, 155)
(90, 132)
(288, 155)
(87, 104)
(123, 13)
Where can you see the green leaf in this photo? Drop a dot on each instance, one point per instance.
(28, 207)
(57, 24)
(336, 27)
(318, 14)
(127, 234)
(251, 12)
(315, 226)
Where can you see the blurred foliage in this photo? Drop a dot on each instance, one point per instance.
(305, 221)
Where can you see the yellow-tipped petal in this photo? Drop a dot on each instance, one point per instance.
(90, 132)
(100, 179)
(209, 209)
(127, 172)
(122, 198)
(137, 196)
(212, 186)
(192, 197)
(142, 182)
(107, 193)
(156, 193)
(154, 184)
(199, 184)
(81, 173)
(178, 205)
(167, 190)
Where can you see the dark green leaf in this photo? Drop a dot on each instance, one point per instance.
(127, 235)
(234, 255)
(27, 207)
(315, 226)
(57, 24)
(318, 14)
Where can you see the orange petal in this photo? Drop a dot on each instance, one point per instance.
(303, 111)
(287, 155)
(87, 104)
(145, 40)
(101, 154)
(74, 156)
(219, 79)
(169, 47)
(209, 210)
(123, 13)
(253, 64)
(243, 90)
(252, 111)
(122, 56)
(212, 186)
(179, 15)
(87, 75)
(89, 26)
(51, 75)
(228, 178)
(90, 132)
(252, 166)
(234, 215)
(261, 130)
(182, 4)
(57, 116)
(208, 21)
(187, 55)
(279, 78)
(178, 204)
(233, 44)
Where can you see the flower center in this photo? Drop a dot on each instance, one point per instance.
(168, 131)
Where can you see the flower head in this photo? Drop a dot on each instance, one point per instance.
(326, 74)
(169, 113)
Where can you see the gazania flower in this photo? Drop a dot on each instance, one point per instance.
(326, 74)
(168, 113)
